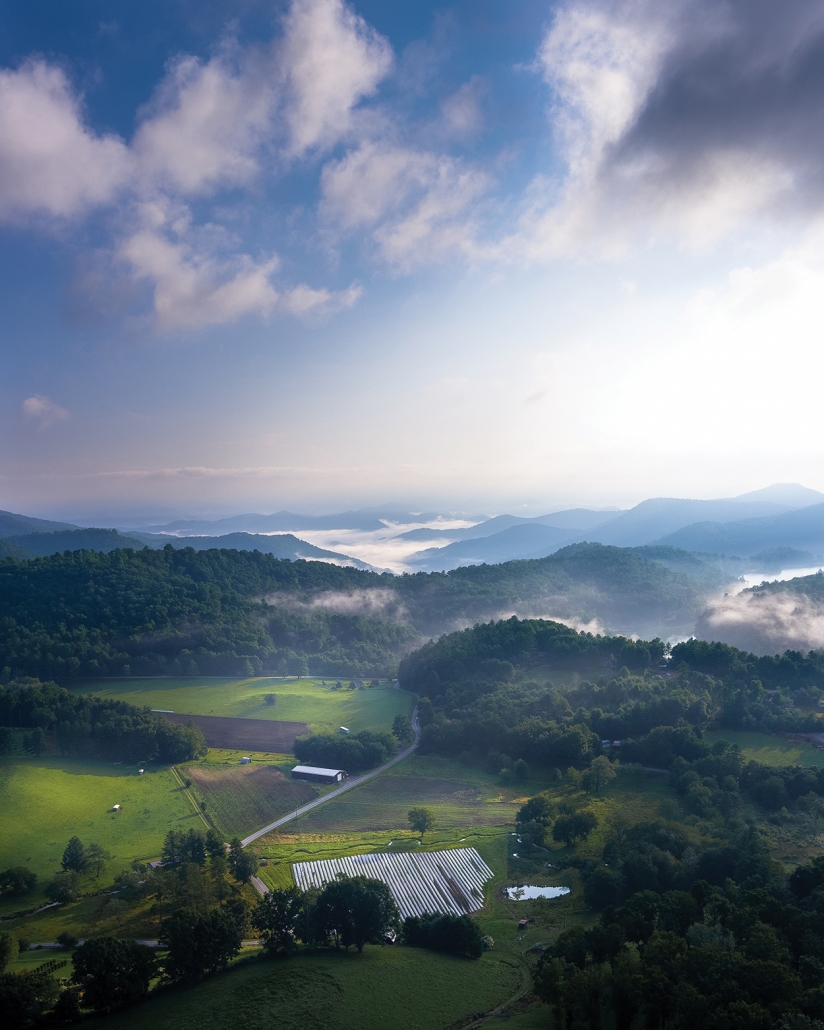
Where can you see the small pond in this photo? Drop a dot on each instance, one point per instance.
(528, 892)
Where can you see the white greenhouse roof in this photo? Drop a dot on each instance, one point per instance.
(318, 772)
(425, 881)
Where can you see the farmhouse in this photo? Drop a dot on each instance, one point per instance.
(309, 772)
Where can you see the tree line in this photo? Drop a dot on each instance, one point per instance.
(82, 724)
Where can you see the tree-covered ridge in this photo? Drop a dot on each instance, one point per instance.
(100, 727)
(487, 693)
(182, 611)
(232, 612)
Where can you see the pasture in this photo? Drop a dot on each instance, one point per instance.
(769, 749)
(46, 801)
(304, 700)
(384, 987)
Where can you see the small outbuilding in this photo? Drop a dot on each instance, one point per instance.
(317, 775)
(343, 729)
(246, 761)
(139, 772)
(117, 808)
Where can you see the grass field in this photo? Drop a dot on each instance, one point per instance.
(305, 700)
(384, 987)
(768, 749)
(46, 801)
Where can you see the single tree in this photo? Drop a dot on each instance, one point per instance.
(421, 819)
(17, 880)
(599, 774)
(357, 910)
(199, 944)
(113, 973)
(270, 699)
(569, 828)
(8, 949)
(74, 857)
(243, 864)
(402, 730)
(96, 858)
(171, 853)
(276, 919)
(214, 845)
(63, 887)
(538, 809)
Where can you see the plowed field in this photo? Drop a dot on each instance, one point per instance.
(249, 734)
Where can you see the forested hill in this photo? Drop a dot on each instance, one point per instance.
(231, 612)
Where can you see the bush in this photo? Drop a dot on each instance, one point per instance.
(457, 935)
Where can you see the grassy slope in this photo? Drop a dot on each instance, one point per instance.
(46, 801)
(769, 749)
(305, 700)
(383, 987)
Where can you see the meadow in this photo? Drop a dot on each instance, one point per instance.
(769, 749)
(313, 701)
(45, 801)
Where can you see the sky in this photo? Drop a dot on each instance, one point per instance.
(467, 257)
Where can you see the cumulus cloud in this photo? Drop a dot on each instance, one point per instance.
(43, 411)
(205, 125)
(51, 163)
(684, 119)
(765, 622)
(334, 59)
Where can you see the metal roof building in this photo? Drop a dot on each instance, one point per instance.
(317, 775)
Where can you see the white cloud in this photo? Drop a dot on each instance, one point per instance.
(333, 60)
(462, 110)
(43, 410)
(418, 204)
(205, 125)
(50, 162)
(303, 300)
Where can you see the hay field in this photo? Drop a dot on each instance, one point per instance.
(305, 700)
(46, 801)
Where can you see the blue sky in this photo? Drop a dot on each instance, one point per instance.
(474, 257)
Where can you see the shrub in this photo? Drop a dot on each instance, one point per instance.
(457, 935)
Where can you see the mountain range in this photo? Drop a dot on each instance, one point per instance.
(781, 523)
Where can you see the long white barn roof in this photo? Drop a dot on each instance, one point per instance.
(427, 881)
(316, 770)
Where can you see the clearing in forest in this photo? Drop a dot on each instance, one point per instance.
(323, 707)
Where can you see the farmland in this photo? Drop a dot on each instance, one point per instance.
(306, 700)
(45, 801)
(269, 735)
(240, 798)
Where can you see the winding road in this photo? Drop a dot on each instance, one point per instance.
(336, 793)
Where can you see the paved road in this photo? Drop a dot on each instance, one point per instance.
(336, 793)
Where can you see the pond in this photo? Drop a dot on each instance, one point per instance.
(526, 893)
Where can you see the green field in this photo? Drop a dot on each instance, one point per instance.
(305, 700)
(406, 988)
(768, 749)
(46, 801)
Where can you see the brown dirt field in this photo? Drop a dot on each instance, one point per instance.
(250, 734)
(242, 799)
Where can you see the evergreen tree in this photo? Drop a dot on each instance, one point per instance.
(74, 857)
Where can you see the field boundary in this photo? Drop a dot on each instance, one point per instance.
(190, 798)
